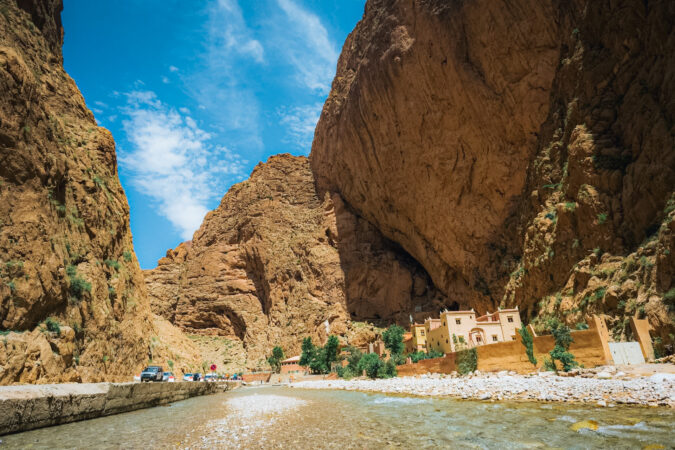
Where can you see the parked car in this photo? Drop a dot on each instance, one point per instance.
(152, 373)
(168, 376)
(188, 377)
(210, 377)
(196, 377)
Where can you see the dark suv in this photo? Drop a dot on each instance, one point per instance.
(152, 373)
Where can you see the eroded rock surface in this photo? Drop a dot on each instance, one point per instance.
(275, 263)
(511, 146)
(66, 251)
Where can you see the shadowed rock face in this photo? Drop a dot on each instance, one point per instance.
(274, 263)
(509, 146)
(65, 246)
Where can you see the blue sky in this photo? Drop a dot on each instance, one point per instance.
(196, 96)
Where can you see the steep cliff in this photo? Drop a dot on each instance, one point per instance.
(72, 299)
(275, 263)
(521, 151)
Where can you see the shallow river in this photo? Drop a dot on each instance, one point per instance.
(273, 417)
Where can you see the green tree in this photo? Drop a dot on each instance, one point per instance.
(563, 339)
(393, 339)
(467, 361)
(331, 350)
(276, 358)
(528, 342)
(371, 363)
(308, 352)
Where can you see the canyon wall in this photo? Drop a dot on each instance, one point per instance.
(275, 263)
(73, 305)
(521, 152)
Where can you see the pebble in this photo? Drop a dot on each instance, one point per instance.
(545, 387)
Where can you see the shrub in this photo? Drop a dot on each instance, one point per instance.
(549, 365)
(371, 363)
(581, 326)
(112, 263)
(52, 325)
(600, 293)
(528, 342)
(602, 218)
(467, 361)
(570, 206)
(127, 256)
(77, 285)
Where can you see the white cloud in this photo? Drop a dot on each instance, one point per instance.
(173, 69)
(313, 54)
(165, 80)
(173, 161)
(230, 33)
(300, 122)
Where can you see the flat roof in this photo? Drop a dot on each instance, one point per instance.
(292, 359)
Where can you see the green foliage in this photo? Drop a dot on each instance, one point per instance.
(581, 326)
(549, 365)
(319, 359)
(600, 293)
(563, 339)
(602, 218)
(11, 285)
(78, 286)
(372, 364)
(127, 256)
(275, 360)
(99, 182)
(112, 263)
(393, 339)
(528, 342)
(669, 299)
(353, 359)
(467, 361)
(52, 325)
(570, 206)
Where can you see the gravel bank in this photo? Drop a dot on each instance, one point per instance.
(657, 390)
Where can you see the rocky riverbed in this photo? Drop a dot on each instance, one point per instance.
(605, 388)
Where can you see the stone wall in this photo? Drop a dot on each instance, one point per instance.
(589, 348)
(26, 407)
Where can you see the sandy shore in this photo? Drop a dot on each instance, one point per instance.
(655, 390)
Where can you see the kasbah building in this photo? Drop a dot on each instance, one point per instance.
(458, 330)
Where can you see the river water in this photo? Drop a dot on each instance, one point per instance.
(280, 417)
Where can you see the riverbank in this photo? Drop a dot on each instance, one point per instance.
(26, 407)
(655, 390)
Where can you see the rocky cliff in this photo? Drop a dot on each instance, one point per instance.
(275, 263)
(521, 152)
(72, 299)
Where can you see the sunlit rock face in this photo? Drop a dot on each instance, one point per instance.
(66, 251)
(275, 263)
(510, 146)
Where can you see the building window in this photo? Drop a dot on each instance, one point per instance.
(458, 321)
(510, 319)
(443, 323)
(422, 332)
(494, 338)
(479, 339)
(446, 341)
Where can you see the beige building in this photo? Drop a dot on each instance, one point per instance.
(458, 330)
(416, 339)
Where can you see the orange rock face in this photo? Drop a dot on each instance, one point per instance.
(65, 247)
(515, 149)
(275, 263)
(431, 124)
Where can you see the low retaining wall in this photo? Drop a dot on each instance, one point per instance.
(262, 377)
(589, 348)
(26, 407)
